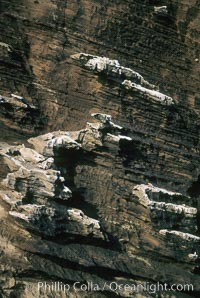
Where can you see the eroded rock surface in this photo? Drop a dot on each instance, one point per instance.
(109, 198)
(157, 39)
(76, 211)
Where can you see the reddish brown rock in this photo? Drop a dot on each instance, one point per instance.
(155, 143)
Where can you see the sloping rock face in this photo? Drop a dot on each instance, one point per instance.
(118, 200)
(158, 39)
(77, 215)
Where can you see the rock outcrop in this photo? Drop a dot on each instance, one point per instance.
(129, 79)
(156, 39)
(16, 113)
(72, 203)
(116, 201)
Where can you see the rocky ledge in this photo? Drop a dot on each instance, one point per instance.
(64, 195)
(129, 79)
(17, 113)
(100, 203)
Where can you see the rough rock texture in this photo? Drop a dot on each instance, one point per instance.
(158, 39)
(119, 199)
(79, 216)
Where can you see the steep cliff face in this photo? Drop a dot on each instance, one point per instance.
(81, 217)
(117, 200)
(38, 38)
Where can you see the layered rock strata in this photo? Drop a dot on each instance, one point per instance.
(111, 201)
(79, 216)
(158, 39)
(16, 112)
(129, 79)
